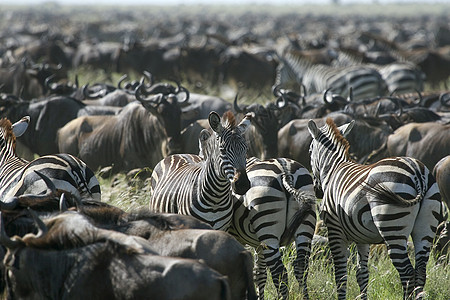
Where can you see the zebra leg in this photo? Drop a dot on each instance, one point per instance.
(260, 274)
(430, 215)
(399, 255)
(272, 256)
(303, 239)
(339, 252)
(301, 267)
(362, 272)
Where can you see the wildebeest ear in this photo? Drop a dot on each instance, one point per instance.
(245, 123)
(346, 128)
(313, 129)
(21, 126)
(214, 122)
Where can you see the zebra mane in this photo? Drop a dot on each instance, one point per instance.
(7, 127)
(339, 138)
(228, 120)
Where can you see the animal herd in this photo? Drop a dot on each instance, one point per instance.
(348, 136)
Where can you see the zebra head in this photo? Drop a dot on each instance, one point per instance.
(232, 149)
(327, 147)
(9, 132)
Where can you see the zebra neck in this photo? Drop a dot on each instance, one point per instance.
(10, 163)
(215, 185)
(330, 162)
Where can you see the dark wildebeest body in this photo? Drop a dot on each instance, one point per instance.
(80, 260)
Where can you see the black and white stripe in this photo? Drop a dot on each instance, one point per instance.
(279, 207)
(18, 176)
(365, 81)
(200, 185)
(400, 77)
(385, 202)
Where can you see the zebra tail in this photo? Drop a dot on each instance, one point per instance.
(306, 201)
(385, 195)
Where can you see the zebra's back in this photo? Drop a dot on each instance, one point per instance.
(67, 173)
(168, 189)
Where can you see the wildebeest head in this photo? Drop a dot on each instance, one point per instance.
(232, 148)
(263, 140)
(167, 109)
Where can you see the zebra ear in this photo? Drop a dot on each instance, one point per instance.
(20, 126)
(214, 122)
(313, 129)
(346, 128)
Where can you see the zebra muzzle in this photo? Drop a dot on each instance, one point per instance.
(240, 183)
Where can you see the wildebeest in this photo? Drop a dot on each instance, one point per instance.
(82, 261)
(140, 135)
(46, 117)
(183, 236)
(428, 142)
(441, 171)
(262, 135)
(369, 134)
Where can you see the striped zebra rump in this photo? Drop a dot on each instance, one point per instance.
(365, 81)
(67, 173)
(18, 177)
(386, 202)
(402, 78)
(277, 209)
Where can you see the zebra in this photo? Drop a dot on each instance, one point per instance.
(278, 208)
(199, 185)
(365, 81)
(385, 202)
(18, 176)
(400, 77)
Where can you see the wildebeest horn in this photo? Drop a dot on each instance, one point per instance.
(42, 229)
(149, 77)
(303, 87)
(325, 96)
(236, 106)
(350, 94)
(50, 186)
(62, 203)
(47, 82)
(121, 79)
(276, 90)
(95, 95)
(443, 101)
(420, 99)
(138, 94)
(9, 204)
(4, 238)
(186, 98)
